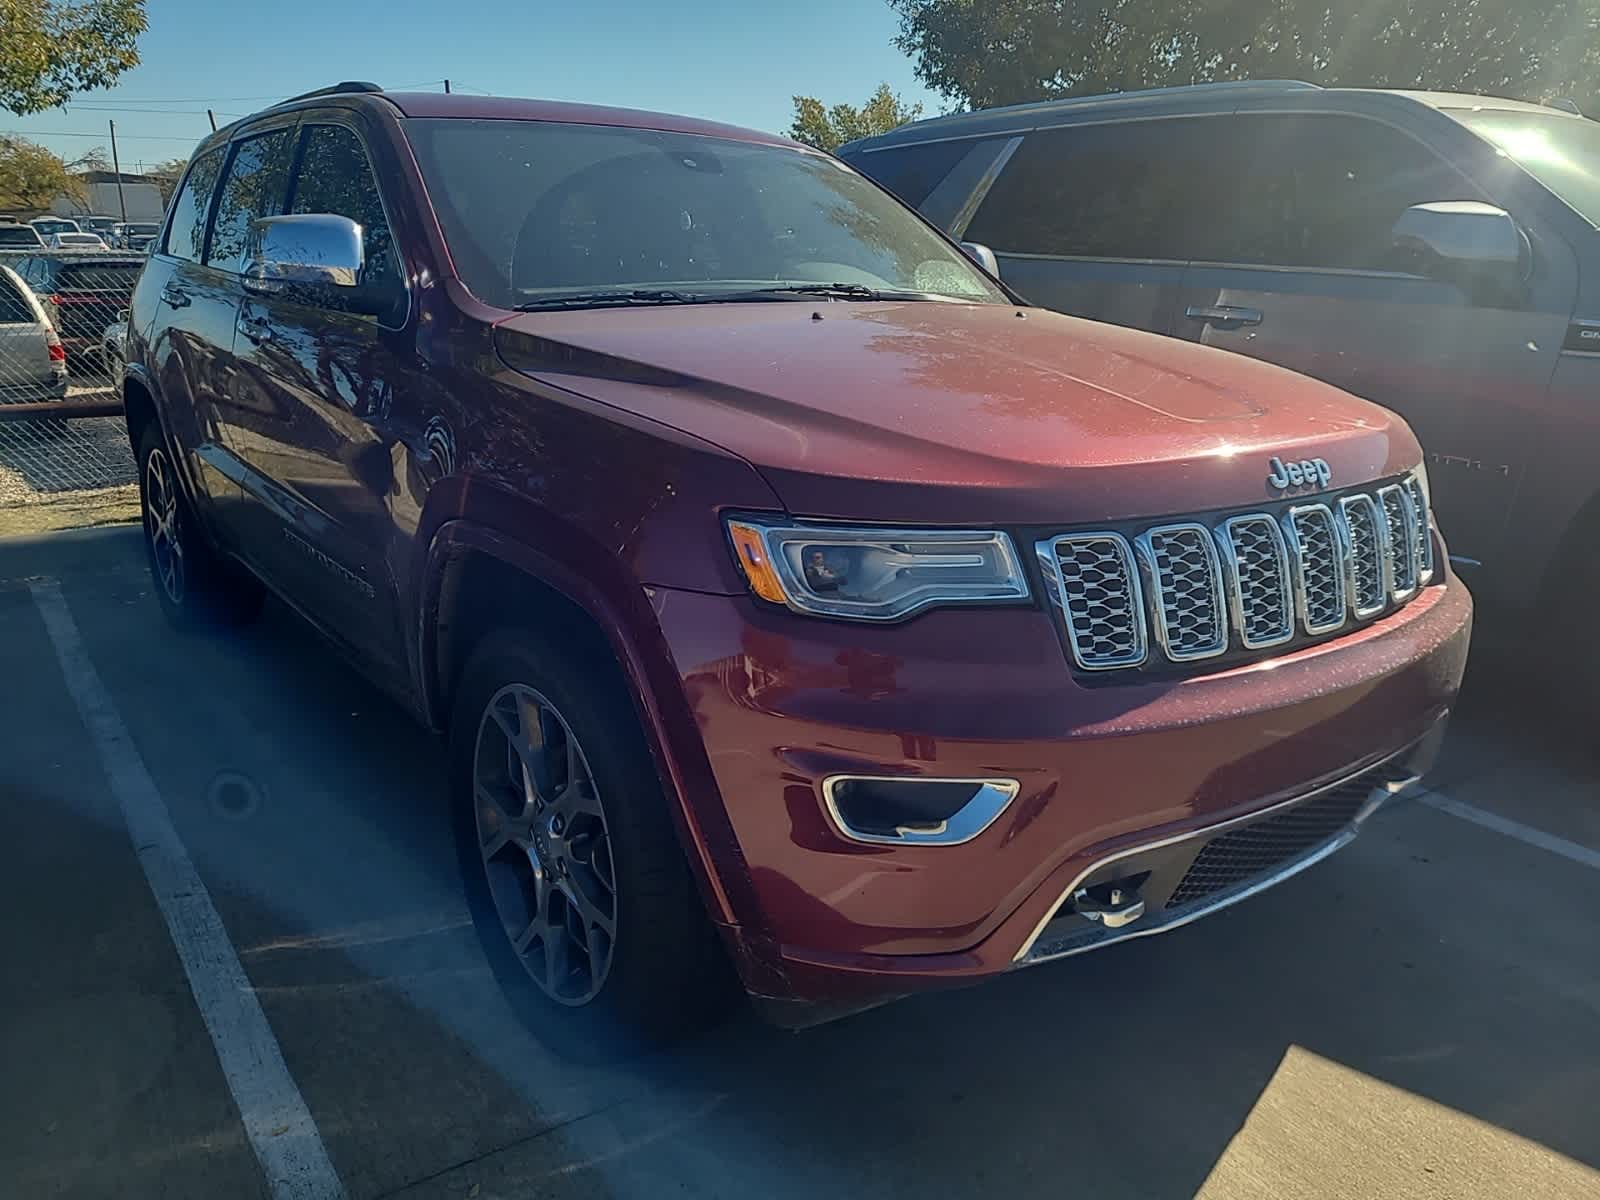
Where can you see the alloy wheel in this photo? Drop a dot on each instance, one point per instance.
(545, 845)
(161, 524)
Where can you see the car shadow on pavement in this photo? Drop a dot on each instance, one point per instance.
(1369, 1006)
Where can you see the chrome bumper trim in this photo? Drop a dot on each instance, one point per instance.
(1032, 952)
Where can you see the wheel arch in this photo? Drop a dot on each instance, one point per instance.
(476, 577)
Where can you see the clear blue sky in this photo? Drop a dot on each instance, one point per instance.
(736, 62)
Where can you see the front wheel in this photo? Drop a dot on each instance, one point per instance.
(579, 891)
(196, 587)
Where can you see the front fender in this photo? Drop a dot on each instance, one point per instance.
(623, 615)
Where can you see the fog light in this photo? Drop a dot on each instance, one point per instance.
(911, 810)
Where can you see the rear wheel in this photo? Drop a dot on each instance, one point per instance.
(195, 586)
(579, 891)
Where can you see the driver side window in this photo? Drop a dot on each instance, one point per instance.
(335, 176)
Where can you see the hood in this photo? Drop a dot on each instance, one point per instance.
(927, 412)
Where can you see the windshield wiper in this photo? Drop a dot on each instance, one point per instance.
(842, 291)
(599, 299)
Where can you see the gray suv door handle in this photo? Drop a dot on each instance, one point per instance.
(1223, 314)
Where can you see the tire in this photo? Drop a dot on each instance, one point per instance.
(197, 588)
(534, 867)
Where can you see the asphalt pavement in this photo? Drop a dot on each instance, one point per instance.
(1417, 1017)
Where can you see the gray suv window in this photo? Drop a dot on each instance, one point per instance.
(911, 172)
(1319, 191)
(1128, 190)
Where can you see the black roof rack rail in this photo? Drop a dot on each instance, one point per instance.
(345, 88)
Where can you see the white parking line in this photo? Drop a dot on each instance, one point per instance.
(1514, 829)
(276, 1119)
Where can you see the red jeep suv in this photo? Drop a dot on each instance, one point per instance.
(792, 597)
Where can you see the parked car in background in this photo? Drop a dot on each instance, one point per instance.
(98, 224)
(14, 236)
(135, 235)
(114, 346)
(1433, 252)
(75, 241)
(33, 363)
(783, 585)
(48, 226)
(82, 293)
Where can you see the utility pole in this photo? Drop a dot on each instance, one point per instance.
(213, 117)
(122, 201)
(446, 87)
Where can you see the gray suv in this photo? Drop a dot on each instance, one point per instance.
(1435, 253)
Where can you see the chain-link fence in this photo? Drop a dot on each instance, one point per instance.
(62, 321)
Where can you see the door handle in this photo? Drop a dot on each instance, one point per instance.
(1223, 314)
(175, 296)
(257, 329)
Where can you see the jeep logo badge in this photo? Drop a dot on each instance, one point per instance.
(1283, 475)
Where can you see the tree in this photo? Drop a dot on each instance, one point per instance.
(829, 128)
(31, 177)
(54, 49)
(93, 159)
(1009, 51)
(166, 175)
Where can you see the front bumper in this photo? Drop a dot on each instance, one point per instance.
(1137, 771)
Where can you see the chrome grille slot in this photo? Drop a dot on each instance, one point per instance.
(1184, 579)
(1098, 591)
(1258, 564)
(1419, 505)
(1367, 574)
(1319, 564)
(1401, 523)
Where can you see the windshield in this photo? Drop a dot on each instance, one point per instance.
(141, 230)
(536, 211)
(49, 227)
(1561, 152)
(18, 236)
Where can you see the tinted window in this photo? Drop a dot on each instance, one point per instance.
(111, 276)
(537, 211)
(911, 172)
(14, 308)
(257, 179)
(18, 235)
(1321, 191)
(186, 236)
(336, 177)
(1100, 191)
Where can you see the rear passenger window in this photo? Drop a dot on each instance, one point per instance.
(912, 172)
(1324, 191)
(186, 236)
(336, 177)
(14, 307)
(1101, 191)
(258, 178)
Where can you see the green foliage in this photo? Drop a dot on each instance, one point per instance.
(988, 52)
(830, 128)
(52, 49)
(31, 177)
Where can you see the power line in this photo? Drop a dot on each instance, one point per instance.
(33, 134)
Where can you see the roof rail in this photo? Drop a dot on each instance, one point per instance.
(344, 88)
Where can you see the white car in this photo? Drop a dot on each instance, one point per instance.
(52, 225)
(76, 241)
(33, 362)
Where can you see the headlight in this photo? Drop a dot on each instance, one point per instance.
(875, 574)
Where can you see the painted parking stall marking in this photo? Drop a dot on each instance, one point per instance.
(276, 1120)
(1582, 855)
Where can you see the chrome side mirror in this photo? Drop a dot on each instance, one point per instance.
(983, 256)
(1475, 246)
(317, 249)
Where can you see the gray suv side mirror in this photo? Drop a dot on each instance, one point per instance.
(313, 258)
(1475, 246)
(983, 256)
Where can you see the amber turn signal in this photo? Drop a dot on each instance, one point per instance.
(751, 551)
